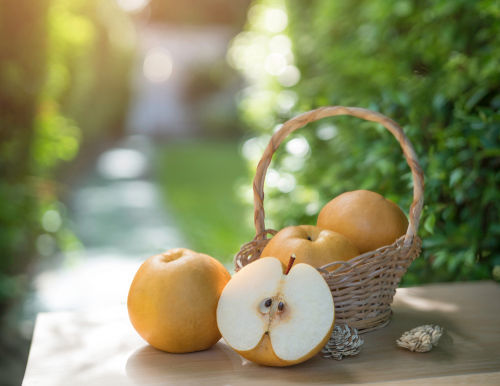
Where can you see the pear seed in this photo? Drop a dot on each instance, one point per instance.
(265, 305)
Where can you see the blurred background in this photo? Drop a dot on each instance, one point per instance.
(128, 127)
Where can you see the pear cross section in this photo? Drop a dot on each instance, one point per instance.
(273, 318)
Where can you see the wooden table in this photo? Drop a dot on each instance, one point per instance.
(101, 348)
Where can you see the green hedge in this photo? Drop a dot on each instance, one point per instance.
(64, 74)
(434, 67)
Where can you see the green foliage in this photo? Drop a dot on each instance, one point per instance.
(434, 67)
(89, 57)
(21, 75)
(64, 71)
(201, 194)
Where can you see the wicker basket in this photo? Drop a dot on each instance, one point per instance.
(363, 287)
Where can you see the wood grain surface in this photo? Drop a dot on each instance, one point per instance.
(101, 348)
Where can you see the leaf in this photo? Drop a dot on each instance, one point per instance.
(429, 223)
(441, 258)
(476, 97)
(455, 176)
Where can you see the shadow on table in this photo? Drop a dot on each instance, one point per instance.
(220, 365)
(148, 365)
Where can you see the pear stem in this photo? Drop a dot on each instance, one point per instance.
(290, 263)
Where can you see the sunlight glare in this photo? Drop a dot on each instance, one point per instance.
(424, 304)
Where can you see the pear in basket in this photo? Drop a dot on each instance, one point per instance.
(368, 219)
(311, 245)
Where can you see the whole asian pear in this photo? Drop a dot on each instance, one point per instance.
(311, 245)
(368, 219)
(172, 302)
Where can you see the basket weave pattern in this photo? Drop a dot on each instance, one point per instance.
(363, 287)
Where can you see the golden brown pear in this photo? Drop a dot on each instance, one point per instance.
(173, 298)
(368, 219)
(311, 245)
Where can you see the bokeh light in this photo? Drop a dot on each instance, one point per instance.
(275, 20)
(286, 100)
(270, 19)
(121, 163)
(275, 63)
(158, 65)
(51, 221)
(326, 131)
(298, 147)
(280, 43)
(290, 76)
(132, 5)
(45, 244)
(284, 182)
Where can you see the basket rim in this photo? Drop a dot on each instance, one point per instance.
(250, 251)
(303, 119)
(363, 259)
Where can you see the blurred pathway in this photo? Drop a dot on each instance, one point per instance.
(119, 216)
(116, 210)
(166, 59)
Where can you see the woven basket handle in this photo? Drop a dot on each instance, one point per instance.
(314, 115)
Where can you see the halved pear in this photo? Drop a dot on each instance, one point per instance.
(273, 318)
